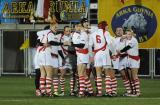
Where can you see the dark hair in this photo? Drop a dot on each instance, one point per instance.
(65, 27)
(118, 27)
(84, 20)
(47, 27)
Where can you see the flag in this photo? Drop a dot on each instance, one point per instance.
(25, 44)
(140, 15)
(42, 8)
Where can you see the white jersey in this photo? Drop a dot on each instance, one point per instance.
(82, 38)
(133, 54)
(120, 44)
(134, 47)
(82, 53)
(64, 38)
(93, 29)
(64, 65)
(101, 57)
(110, 42)
(97, 40)
(47, 55)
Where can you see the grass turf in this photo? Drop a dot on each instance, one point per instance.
(20, 91)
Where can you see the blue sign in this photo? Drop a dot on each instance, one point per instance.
(140, 19)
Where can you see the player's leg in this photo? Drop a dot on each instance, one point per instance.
(81, 69)
(98, 63)
(108, 72)
(55, 81)
(73, 80)
(55, 76)
(49, 72)
(62, 73)
(115, 63)
(125, 75)
(113, 82)
(62, 81)
(136, 81)
(126, 82)
(37, 82)
(99, 80)
(43, 80)
(89, 88)
(133, 76)
(74, 75)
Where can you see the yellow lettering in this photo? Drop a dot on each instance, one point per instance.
(6, 9)
(82, 9)
(140, 39)
(22, 7)
(14, 7)
(30, 7)
(52, 6)
(145, 37)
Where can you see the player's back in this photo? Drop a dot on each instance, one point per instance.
(43, 35)
(97, 39)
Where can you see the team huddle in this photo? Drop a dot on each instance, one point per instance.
(84, 51)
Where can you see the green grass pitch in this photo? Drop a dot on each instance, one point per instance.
(21, 91)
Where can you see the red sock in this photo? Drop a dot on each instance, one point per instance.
(88, 84)
(114, 85)
(99, 85)
(81, 84)
(108, 85)
(42, 85)
(48, 85)
(55, 84)
(62, 82)
(137, 85)
(127, 85)
(71, 85)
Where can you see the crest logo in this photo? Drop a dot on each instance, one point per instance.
(140, 19)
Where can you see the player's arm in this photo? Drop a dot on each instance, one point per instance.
(80, 45)
(54, 43)
(125, 49)
(130, 45)
(82, 42)
(91, 44)
(61, 54)
(39, 43)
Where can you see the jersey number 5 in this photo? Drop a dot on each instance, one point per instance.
(98, 39)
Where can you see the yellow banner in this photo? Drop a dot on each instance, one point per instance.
(142, 16)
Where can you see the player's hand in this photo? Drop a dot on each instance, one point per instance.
(91, 59)
(46, 45)
(118, 52)
(67, 43)
(114, 57)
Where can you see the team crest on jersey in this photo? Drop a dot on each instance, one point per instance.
(140, 19)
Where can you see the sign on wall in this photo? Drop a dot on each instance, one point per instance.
(41, 11)
(142, 16)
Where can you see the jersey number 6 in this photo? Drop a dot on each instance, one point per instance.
(98, 38)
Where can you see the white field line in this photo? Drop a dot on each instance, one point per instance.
(127, 98)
